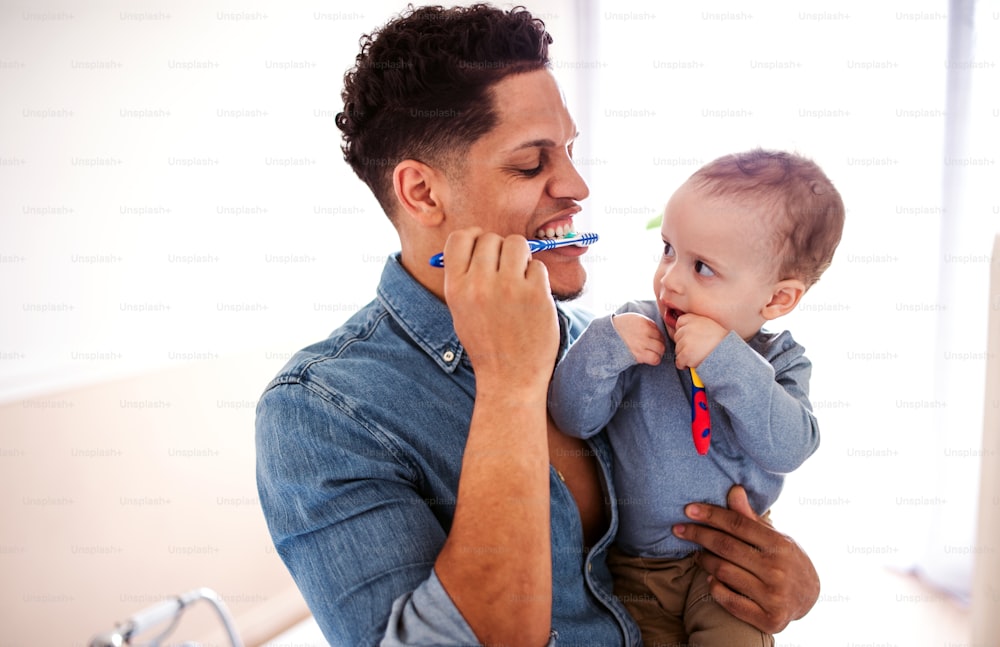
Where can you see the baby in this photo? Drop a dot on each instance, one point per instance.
(743, 239)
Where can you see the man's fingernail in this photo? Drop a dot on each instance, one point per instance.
(679, 530)
(694, 511)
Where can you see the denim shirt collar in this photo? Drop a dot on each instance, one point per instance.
(427, 320)
(424, 317)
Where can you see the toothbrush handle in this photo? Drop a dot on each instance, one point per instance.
(701, 427)
(535, 245)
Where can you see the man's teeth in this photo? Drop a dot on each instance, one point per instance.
(554, 232)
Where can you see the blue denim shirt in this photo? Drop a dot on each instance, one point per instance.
(359, 447)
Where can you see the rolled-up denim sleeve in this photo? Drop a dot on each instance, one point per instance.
(426, 617)
(345, 513)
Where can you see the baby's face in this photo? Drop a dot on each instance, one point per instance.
(717, 262)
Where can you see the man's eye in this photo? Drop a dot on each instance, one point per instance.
(530, 172)
(703, 269)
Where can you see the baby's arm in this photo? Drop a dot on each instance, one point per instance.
(642, 337)
(695, 338)
(589, 383)
(766, 399)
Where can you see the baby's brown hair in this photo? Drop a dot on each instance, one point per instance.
(808, 213)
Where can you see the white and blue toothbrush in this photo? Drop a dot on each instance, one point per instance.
(540, 245)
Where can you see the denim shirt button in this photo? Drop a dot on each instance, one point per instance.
(448, 356)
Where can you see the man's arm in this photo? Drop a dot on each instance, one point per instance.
(496, 563)
(758, 574)
(335, 492)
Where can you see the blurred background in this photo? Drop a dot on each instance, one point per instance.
(176, 219)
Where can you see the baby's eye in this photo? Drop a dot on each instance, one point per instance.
(702, 269)
(668, 250)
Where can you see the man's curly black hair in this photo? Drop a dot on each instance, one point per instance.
(420, 87)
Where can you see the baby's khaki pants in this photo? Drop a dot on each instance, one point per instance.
(670, 600)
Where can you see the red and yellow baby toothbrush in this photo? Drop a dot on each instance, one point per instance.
(701, 427)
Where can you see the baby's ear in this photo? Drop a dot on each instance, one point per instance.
(784, 298)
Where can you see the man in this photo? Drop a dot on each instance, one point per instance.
(411, 478)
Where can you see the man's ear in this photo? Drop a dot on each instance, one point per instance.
(419, 188)
(784, 298)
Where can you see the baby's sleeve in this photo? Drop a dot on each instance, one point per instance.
(590, 381)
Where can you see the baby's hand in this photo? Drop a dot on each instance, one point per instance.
(642, 337)
(695, 338)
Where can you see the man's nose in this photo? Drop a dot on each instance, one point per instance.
(568, 183)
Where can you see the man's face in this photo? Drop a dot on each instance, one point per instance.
(519, 178)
